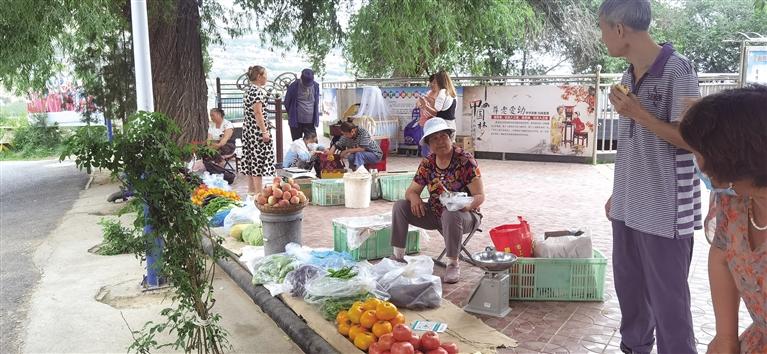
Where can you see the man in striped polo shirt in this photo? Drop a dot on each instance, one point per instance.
(655, 205)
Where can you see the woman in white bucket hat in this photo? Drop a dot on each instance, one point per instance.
(447, 169)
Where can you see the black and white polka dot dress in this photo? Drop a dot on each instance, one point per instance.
(258, 156)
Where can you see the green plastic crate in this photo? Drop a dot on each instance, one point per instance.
(559, 279)
(378, 245)
(393, 187)
(326, 192)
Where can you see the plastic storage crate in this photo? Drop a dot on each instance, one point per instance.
(327, 192)
(378, 245)
(559, 279)
(394, 186)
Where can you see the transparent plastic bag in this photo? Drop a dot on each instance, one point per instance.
(246, 214)
(215, 181)
(323, 288)
(411, 286)
(298, 278)
(455, 201)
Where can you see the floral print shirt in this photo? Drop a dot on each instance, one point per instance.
(456, 177)
(727, 222)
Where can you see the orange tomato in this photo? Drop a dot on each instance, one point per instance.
(368, 319)
(364, 340)
(355, 330)
(399, 319)
(382, 327)
(344, 327)
(342, 317)
(386, 311)
(355, 312)
(371, 304)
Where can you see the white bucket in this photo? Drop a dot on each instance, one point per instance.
(357, 190)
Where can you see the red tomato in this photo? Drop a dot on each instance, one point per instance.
(429, 341)
(386, 341)
(437, 351)
(402, 348)
(416, 342)
(450, 347)
(375, 348)
(401, 333)
(418, 352)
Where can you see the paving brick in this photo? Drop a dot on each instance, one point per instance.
(551, 196)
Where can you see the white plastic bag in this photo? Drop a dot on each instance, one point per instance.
(455, 201)
(215, 181)
(246, 214)
(411, 286)
(250, 256)
(563, 247)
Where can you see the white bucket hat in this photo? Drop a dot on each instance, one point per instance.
(435, 125)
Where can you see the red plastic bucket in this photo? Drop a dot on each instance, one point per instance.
(513, 238)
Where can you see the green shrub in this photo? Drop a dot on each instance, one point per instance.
(119, 239)
(35, 140)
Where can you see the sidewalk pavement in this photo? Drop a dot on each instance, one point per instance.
(84, 300)
(551, 196)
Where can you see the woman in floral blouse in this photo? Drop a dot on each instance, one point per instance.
(728, 132)
(447, 168)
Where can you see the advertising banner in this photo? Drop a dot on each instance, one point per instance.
(756, 65)
(545, 119)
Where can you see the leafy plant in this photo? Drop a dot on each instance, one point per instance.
(151, 162)
(37, 139)
(119, 239)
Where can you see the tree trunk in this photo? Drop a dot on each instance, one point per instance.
(178, 77)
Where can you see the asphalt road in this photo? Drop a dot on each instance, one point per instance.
(34, 195)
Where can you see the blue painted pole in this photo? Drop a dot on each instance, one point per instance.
(110, 135)
(153, 254)
(145, 102)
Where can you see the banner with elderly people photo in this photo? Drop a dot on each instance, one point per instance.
(542, 120)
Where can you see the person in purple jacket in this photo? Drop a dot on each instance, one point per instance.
(302, 104)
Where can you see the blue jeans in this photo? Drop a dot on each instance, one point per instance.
(358, 159)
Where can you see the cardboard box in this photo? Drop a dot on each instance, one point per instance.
(465, 142)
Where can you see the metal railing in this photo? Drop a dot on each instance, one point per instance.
(607, 118)
(229, 94)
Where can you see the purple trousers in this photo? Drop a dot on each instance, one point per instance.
(651, 283)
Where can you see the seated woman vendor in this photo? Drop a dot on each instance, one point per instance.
(302, 152)
(357, 146)
(220, 132)
(447, 168)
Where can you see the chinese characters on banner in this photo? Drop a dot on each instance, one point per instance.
(552, 120)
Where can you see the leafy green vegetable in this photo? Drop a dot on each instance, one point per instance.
(343, 273)
(218, 204)
(331, 307)
(253, 235)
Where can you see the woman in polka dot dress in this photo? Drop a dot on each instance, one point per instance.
(257, 145)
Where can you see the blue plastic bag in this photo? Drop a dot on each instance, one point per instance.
(218, 218)
(331, 259)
